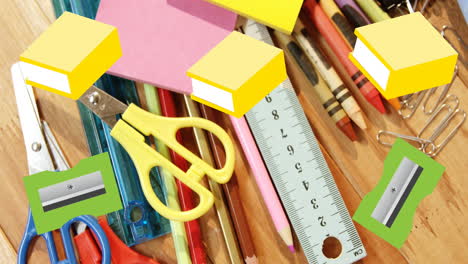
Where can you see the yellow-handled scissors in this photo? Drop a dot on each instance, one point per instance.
(136, 123)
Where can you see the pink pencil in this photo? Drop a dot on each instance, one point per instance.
(270, 197)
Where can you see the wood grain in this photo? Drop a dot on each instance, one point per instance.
(439, 234)
(7, 252)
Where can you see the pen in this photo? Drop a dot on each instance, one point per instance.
(185, 193)
(328, 101)
(342, 50)
(353, 13)
(178, 232)
(338, 19)
(262, 177)
(336, 85)
(221, 208)
(231, 191)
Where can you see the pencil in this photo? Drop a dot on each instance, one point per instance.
(328, 101)
(372, 10)
(178, 232)
(231, 192)
(342, 50)
(263, 180)
(353, 13)
(339, 20)
(336, 85)
(221, 208)
(185, 193)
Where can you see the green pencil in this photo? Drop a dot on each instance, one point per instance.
(178, 229)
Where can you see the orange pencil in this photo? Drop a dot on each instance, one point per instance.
(341, 49)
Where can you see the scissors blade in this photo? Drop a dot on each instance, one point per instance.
(103, 105)
(61, 163)
(36, 147)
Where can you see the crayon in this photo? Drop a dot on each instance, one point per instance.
(336, 85)
(231, 192)
(328, 101)
(338, 19)
(353, 13)
(315, 13)
(395, 103)
(372, 10)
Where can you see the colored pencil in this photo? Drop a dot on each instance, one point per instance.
(231, 191)
(341, 49)
(221, 208)
(178, 232)
(336, 85)
(353, 13)
(185, 193)
(263, 180)
(339, 20)
(328, 101)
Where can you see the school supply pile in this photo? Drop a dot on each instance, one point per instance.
(144, 179)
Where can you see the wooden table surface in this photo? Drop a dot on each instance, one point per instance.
(439, 234)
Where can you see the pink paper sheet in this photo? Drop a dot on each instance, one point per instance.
(162, 39)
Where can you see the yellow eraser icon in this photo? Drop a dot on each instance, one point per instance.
(237, 73)
(278, 14)
(70, 55)
(403, 55)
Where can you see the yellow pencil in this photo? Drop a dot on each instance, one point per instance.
(335, 84)
(221, 208)
(178, 230)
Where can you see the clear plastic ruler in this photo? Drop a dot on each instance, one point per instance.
(300, 173)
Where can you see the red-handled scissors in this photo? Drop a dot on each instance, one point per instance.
(90, 252)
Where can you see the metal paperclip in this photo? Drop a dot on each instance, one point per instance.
(424, 6)
(422, 142)
(450, 109)
(405, 99)
(452, 112)
(437, 148)
(439, 128)
(412, 106)
(441, 96)
(428, 145)
(462, 43)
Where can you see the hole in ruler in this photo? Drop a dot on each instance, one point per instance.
(331, 247)
(136, 214)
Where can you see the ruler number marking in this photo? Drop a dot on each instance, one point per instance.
(306, 185)
(290, 149)
(314, 203)
(321, 220)
(275, 114)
